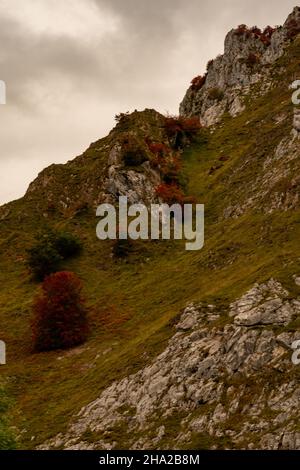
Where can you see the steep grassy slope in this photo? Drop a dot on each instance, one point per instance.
(144, 294)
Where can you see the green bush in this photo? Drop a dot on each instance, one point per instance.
(43, 259)
(67, 245)
(50, 249)
(215, 94)
(122, 248)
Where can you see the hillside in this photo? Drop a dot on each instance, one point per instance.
(187, 349)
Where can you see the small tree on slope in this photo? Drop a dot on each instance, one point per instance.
(60, 318)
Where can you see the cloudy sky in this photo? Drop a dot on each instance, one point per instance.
(70, 66)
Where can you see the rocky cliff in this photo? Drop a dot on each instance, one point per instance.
(248, 56)
(232, 386)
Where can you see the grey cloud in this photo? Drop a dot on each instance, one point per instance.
(26, 58)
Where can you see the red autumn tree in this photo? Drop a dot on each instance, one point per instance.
(159, 149)
(176, 125)
(170, 193)
(241, 29)
(198, 82)
(60, 319)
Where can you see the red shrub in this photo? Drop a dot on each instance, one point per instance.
(190, 125)
(268, 31)
(198, 82)
(252, 59)
(173, 125)
(255, 30)
(265, 40)
(159, 148)
(264, 36)
(59, 315)
(170, 169)
(241, 29)
(189, 200)
(180, 124)
(170, 193)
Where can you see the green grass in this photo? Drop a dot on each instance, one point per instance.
(7, 438)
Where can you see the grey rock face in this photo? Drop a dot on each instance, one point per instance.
(121, 180)
(217, 377)
(272, 308)
(138, 186)
(233, 74)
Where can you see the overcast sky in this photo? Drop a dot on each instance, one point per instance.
(71, 65)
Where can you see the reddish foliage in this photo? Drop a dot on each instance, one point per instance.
(268, 31)
(198, 82)
(264, 36)
(170, 193)
(265, 40)
(168, 161)
(170, 169)
(191, 125)
(175, 125)
(179, 130)
(161, 153)
(255, 30)
(252, 59)
(241, 29)
(159, 149)
(189, 200)
(59, 315)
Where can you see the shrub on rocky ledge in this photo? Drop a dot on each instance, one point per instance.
(215, 94)
(252, 59)
(133, 152)
(198, 82)
(255, 32)
(181, 129)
